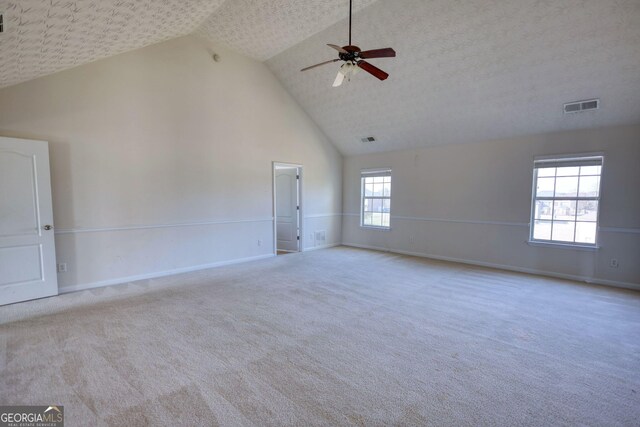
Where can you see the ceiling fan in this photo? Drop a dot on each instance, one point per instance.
(354, 59)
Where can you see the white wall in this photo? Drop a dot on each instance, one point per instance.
(161, 160)
(471, 202)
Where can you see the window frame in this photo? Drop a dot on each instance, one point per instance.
(566, 161)
(374, 173)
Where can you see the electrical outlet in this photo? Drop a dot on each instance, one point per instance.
(613, 263)
(62, 267)
(259, 242)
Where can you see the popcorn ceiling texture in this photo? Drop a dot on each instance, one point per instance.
(472, 71)
(466, 71)
(46, 36)
(261, 29)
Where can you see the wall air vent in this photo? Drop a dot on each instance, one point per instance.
(579, 106)
(368, 139)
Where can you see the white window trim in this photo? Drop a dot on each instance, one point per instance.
(560, 243)
(373, 173)
(563, 245)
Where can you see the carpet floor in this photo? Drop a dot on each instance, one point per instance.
(333, 337)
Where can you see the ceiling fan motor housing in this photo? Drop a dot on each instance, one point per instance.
(354, 58)
(351, 55)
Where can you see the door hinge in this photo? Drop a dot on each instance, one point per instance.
(297, 176)
(298, 208)
(298, 237)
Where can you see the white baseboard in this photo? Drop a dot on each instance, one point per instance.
(120, 280)
(592, 280)
(315, 248)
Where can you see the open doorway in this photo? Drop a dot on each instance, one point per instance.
(287, 208)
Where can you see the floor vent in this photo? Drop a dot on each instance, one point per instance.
(579, 106)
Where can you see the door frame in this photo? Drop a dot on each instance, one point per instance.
(274, 166)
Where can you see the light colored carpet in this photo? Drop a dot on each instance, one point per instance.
(333, 337)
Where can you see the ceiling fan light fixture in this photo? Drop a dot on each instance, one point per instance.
(339, 79)
(349, 69)
(346, 71)
(354, 58)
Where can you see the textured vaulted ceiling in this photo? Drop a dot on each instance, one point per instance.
(46, 36)
(263, 28)
(472, 70)
(466, 71)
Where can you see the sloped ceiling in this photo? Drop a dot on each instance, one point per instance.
(46, 36)
(466, 71)
(472, 70)
(263, 28)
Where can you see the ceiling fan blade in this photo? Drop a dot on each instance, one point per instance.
(339, 79)
(378, 53)
(374, 71)
(338, 48)
(322, 63)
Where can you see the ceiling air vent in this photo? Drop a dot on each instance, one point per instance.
(579, 106)
(368, 139)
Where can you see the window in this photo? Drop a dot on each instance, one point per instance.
(565, 200)
(376, 198)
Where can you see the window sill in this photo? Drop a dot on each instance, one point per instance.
(373, 227)
(576, 247)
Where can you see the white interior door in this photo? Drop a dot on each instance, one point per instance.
(287, 209)
(27, 251)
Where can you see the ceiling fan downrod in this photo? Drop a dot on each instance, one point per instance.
(350, 11)
(354, 58)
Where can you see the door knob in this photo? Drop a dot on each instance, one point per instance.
(48, 227)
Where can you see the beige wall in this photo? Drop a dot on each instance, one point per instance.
(472, 202)
(161, 160)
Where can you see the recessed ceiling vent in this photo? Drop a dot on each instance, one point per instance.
(579, 106)
(368, 139)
